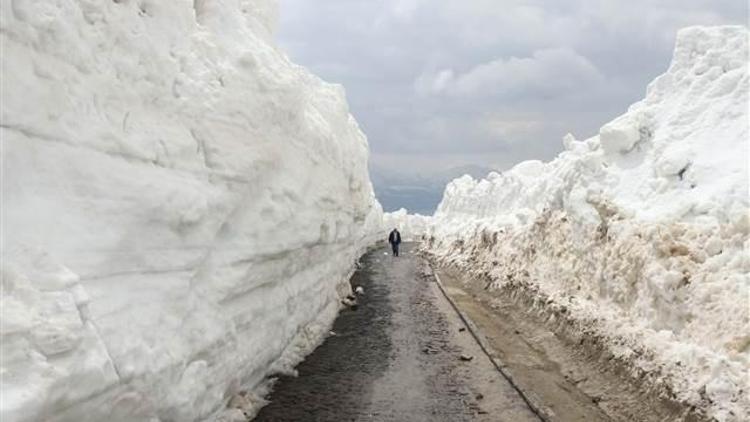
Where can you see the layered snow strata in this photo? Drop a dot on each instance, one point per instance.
(639, 233)
(411, 226)
(182, 207)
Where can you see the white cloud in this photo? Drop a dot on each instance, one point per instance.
(511, 127)
(546, 73)
(434, 83)
(405, 9)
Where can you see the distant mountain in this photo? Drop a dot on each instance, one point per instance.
(419, 193)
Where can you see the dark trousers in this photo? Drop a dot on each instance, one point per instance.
(394, 246)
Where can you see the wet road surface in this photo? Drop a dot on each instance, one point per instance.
(397, 357)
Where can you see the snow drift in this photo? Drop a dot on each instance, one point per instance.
(182, 207)
(640, 233)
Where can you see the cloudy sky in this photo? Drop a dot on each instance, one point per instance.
(441, 83)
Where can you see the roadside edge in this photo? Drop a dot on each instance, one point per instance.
(532, 400)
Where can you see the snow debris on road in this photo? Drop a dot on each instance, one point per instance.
(637, 236)
(182, 206)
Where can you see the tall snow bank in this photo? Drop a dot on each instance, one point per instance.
(411, 226)
(641, 232)
(180, 206)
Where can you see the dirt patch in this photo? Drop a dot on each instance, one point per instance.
(575, 378)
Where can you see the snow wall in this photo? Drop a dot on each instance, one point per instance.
(182, 207)
(411, 226)
(640, 233)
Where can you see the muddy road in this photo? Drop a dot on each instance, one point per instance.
(402, 355)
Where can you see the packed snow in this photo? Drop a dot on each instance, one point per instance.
(639, 235)
(182, 207)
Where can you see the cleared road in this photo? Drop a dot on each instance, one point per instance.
(402, 355)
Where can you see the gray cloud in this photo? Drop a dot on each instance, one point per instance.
(437, 83)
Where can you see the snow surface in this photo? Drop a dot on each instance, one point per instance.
(640, 232)
(182, 207)
(411, 226)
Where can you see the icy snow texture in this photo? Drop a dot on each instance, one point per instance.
(641, 230)
(411, 226)
(182, 207)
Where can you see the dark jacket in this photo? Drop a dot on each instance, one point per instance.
(394, 237)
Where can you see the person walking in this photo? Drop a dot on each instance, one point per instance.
(394, 239)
